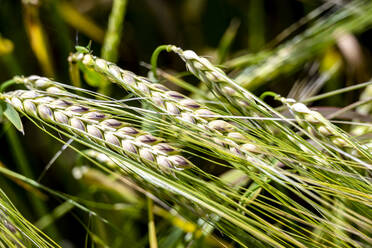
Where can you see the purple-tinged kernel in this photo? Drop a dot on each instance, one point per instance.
(45, 112)
(94, 131)
(147, 139)
(77, 124)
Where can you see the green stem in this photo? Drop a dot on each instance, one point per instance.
(268, 93)
(6, 84)
(227, 40)
(110, 47)
(115, 27)
(155, 56)
(151, 224)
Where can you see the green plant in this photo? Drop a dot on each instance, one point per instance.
(299, 167)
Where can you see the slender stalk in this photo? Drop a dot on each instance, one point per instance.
(110, 47)
(227, 40)
(6, 84)
(151, 224)
(155, 57)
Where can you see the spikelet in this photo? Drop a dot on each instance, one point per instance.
(315, 123)
(99, 127)
(203, 69)
(365, 109)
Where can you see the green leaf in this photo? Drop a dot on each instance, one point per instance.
(12, 115)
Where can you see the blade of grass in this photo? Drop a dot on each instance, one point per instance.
(110, 47)
(151, 224)
(227, 40)
(36, 34)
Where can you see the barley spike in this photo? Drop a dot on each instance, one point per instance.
(99, 127)
(184, 109)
